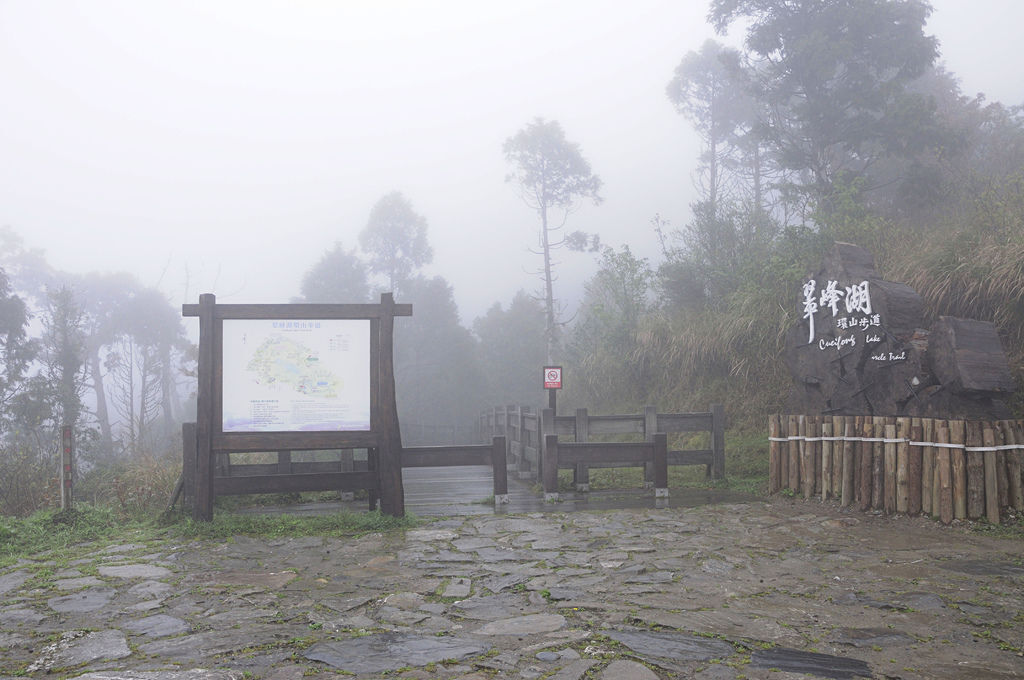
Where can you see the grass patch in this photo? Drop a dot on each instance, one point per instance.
(87, 528)
(55, 531)
(1012, 526)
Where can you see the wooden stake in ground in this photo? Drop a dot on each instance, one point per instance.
(774, 455)
(866, 455)
(806, 458)
(991, 481)
(902, 464)
(849, 432)
(794, 455)
(927, 466)
(1013, 464)
(826, 459)
(958, 463)
(889, 482)
(975, 472)
(944, 474)
(914, 468)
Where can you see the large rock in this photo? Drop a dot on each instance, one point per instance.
(860, 349)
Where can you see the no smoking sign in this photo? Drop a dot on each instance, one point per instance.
(552, 377)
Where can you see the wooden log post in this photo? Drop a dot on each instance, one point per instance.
(650, 429)
(549, 467)
(1013, 465)
(389, 451)
(203, 508)
(903, 465)
(1002, 476)
(928, 468)
(499, 464)
(793, 459)
(914, 468)
(866, 453)
(718, 441)
(814, 426)
(991, 477)
(774, 455)
(878, 463)
(547, 427)
(975, 471)
(889, 481)
(837, 456)
(188, 463)
(826, 460)
(581, 473)
(848, 460)
(958, 463)
(944, 473)
(660, 444)
(806, 458)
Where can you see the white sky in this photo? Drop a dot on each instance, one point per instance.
(223, 146)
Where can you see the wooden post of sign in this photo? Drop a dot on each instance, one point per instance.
(203, 508)
(902, 464)
(549, 468)
(389, 453)
(188, 463)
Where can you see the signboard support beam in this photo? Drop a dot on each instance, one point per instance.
(203, 508)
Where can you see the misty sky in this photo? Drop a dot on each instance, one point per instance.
(223, 146)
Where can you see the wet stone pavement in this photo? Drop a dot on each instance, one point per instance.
(767, 589)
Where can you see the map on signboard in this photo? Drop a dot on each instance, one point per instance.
(296, 375)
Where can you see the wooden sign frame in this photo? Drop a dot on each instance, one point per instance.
(383, 435)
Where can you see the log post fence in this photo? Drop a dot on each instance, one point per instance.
(948, 469)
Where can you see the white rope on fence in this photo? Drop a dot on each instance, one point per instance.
(902, 440)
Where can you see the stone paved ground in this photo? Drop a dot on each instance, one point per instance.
(779, 589)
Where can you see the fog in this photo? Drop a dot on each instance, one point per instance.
(224, 146)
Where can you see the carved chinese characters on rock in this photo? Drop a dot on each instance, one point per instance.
(860, 348)
(854, 300)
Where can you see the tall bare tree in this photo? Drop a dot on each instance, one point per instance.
(553, 178)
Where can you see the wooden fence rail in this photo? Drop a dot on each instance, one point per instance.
(345, 474)
(950, 469)
(526, 432)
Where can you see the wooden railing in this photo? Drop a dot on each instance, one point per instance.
(526, 431)
(346, 474)
(950, 469)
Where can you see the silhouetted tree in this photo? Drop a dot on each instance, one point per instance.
(552, 176)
